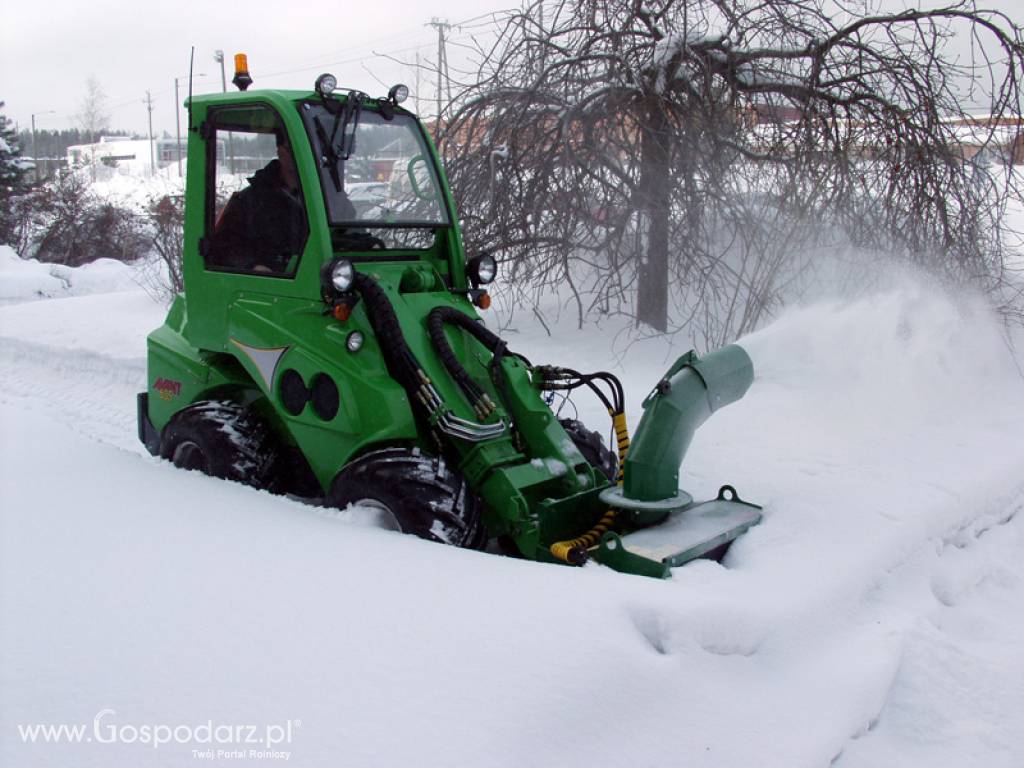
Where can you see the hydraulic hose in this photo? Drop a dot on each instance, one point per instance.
(400, 361)
(407, 371)
(574, 551)
(621, 442)
(482, 404)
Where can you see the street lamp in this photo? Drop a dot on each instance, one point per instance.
(177, 114)
(35, 157)
(218, 56)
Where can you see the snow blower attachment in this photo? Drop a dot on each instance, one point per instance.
(327, 344)
(649, 495)
(651, 525)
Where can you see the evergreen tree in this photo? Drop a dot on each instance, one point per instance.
(12, 175)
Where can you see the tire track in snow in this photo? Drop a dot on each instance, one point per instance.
(944, 693)
(93, 393)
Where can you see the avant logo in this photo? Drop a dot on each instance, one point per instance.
(167, 388)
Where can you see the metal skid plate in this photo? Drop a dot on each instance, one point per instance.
(687, 534)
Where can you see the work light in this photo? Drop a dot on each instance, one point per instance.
(354, 342)
(398, 93)
(482, 270)
(325, 84)
(342, 275)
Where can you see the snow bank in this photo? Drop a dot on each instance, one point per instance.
(135, 191)
(874, 617)
(26, 280)
(29, 280)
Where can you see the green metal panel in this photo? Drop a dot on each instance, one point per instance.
(179, 375)
(210, 292)
(270, 335)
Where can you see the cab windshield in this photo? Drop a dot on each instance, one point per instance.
(376, 174)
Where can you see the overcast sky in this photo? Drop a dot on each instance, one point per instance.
(49, 49)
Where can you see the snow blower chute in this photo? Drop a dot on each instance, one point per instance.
(327, 344)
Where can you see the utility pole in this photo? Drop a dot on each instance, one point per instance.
(35, 157)
(152, 155)
(218, 56)
(416, 84)
(442, 67)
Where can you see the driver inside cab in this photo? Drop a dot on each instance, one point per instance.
(263, 226)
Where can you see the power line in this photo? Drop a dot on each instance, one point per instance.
(479, 21)
(322, 61)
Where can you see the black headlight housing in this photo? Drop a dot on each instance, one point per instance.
(482, 270)
(336, 279)
(325, 85)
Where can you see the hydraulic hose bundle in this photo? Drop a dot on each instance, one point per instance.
(406, 369)
(401, 362)
(482, 404)
(553, 378)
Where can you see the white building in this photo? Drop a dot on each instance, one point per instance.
(123, 152)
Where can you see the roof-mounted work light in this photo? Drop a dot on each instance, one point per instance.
(398, 93)
(325, 85)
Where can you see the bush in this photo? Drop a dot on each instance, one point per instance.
(65, 223)
(163, 277)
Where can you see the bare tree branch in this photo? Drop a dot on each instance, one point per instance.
(671, 159)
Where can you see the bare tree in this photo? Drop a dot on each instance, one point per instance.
(93, 117)
(670, 158)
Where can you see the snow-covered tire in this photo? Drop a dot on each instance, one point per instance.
(592, 446)
(223, 439)
(423, 495)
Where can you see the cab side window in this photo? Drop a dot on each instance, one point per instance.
(256, 218)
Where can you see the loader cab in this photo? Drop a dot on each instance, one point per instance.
(282, 182)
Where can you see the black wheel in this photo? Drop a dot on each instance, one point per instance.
(592, 446)
(223, 439)
(420, 494)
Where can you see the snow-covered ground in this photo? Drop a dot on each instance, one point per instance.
(874, 619)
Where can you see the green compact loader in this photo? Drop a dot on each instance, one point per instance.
(327, 345)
